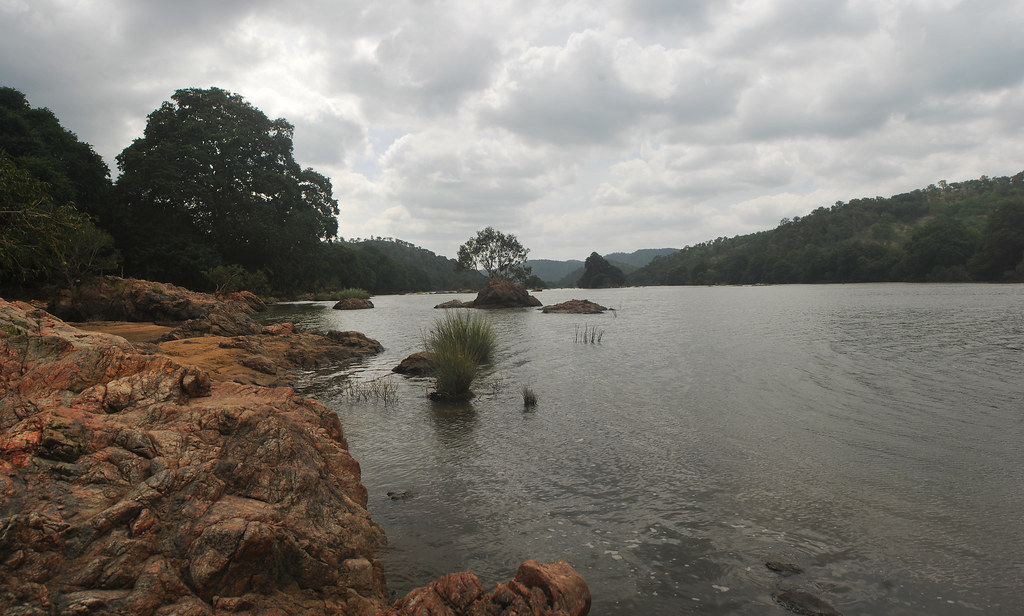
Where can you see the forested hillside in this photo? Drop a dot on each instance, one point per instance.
(960, 231)
(424, 270)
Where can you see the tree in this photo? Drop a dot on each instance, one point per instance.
(39, 145)
(501, 256)
(598, 273)
(1002, 252)
(213, 182)
(40, 238)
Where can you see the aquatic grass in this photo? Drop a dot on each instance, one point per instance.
(588, 334)
(529, 397)
(459, 342)
(383, 389)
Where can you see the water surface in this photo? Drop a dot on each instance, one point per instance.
(871, 434)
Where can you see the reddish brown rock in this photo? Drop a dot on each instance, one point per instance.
(504, 294)
(353, 303)
(538, 589)
(417, 364)
(575, 306)
(109, 298)
(131, 484)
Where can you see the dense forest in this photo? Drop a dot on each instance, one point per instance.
(953, 232)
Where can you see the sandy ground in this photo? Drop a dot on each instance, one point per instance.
(205, 353)
(132, 332)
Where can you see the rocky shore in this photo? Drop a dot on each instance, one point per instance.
(164, 478)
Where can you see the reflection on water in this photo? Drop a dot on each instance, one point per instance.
(871, 434)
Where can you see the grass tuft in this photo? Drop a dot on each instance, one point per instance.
(459, 342)
(529, 397)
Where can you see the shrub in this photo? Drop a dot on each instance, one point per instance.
(459, 343)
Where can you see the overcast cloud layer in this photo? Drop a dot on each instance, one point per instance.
(576, 125)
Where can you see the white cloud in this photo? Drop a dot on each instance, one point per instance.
(578, 125)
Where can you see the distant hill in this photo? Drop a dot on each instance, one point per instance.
(427, 271)
(566, 273)
(960, 231)
(639, 258)
(552, 271)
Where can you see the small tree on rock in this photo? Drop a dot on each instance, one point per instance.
(501, 256)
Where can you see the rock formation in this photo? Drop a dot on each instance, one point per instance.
(353, 303)
(417, 364)
(109, 298)
(454, 303)
(575, 306)
(549, 589)
(504, 294)
(131, 484)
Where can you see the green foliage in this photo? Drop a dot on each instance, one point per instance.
(41, 239)
(459, 342)
(234, 277)
(600, 274)
(213, 182)
(40, 146)
(971, 230)
(498, 254)
(422, 269)
(534, 282)
(341, 294)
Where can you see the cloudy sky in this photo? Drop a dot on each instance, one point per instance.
(578, 125)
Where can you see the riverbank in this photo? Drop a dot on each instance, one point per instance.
(162, 474)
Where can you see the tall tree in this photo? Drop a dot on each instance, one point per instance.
(213, 181)
(501, 256)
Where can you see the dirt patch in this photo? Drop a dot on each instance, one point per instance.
(223, 364)
(132, 332)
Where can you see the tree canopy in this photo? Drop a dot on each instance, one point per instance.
(501, 256)
(212, 182)
(38, 144)
(42, 239)
(598, 273)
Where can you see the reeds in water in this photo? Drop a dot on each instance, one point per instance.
(459, 342)
(529, 397)
(588, 334)
(383, 389)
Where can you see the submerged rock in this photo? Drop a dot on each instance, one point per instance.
(783, 569)
(549, 589)
(132, 484)
(575, 306)
(804, 603)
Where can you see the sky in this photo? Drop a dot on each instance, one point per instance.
(578, 126)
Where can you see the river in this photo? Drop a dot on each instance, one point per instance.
(871, 434)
